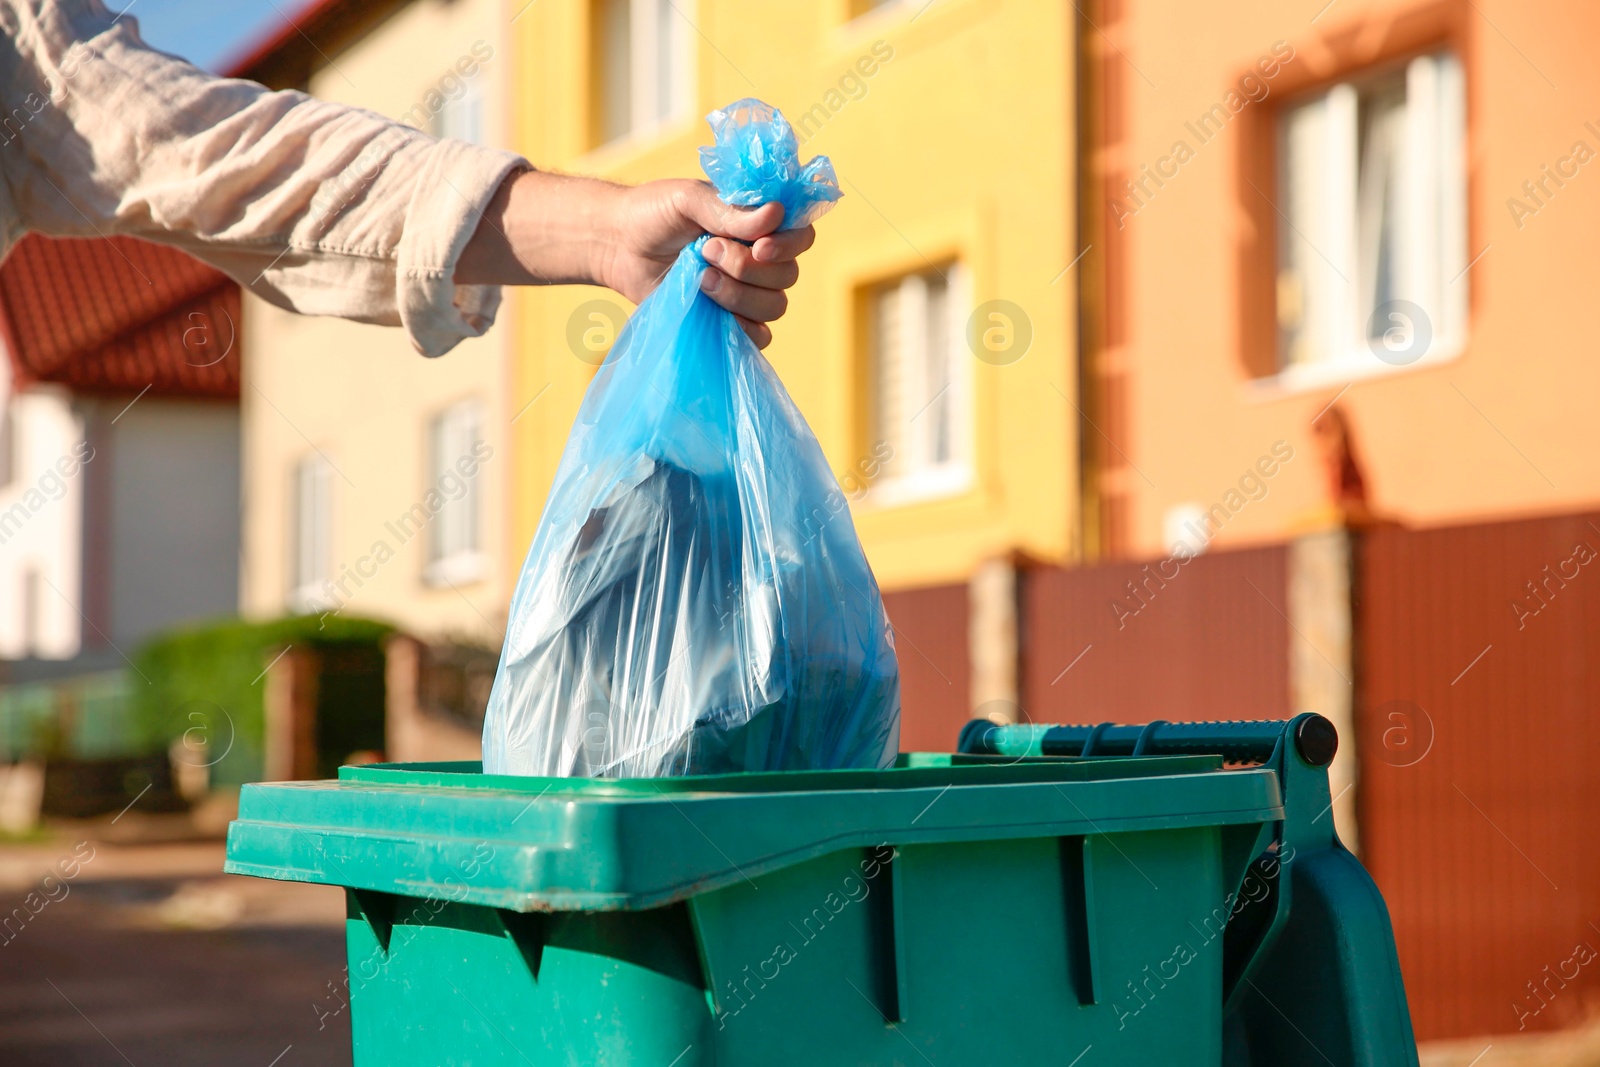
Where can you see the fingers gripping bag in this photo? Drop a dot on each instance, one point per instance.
(696, 600)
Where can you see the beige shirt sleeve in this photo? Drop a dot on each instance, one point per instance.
(320, 208)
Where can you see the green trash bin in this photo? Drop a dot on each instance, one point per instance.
(1002, 906)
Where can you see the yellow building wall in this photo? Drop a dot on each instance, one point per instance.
(958, 144)
(362, 396)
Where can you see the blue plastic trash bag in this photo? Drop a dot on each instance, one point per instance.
(696, 600)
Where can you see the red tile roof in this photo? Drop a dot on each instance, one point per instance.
(116, 315)
(298, 26)
(307, 40)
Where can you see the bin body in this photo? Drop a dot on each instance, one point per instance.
(936, 912)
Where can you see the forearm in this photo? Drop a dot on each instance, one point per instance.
(543, 229)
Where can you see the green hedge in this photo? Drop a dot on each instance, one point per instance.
(206, 681)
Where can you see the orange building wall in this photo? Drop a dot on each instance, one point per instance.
(1506, 428)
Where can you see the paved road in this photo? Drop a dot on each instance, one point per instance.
(148, 955)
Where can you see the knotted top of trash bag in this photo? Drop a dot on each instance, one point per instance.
(756, 160)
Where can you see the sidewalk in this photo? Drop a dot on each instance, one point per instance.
(146, 953)
(1572, 1048)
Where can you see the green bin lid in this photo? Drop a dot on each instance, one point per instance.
(447, 831)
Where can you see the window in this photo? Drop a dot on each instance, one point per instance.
(1373, 246)
(919, 392)
(312, 564)
(455, 546)
(33, 637)
(461, 117)
(865, 7)
(645, 53)
(8, 444)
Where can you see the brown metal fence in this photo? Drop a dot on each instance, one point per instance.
(1209, 641)
(1141, 641)
(930, 637)
(1479, 680)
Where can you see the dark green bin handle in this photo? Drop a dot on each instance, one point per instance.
(1243, 741)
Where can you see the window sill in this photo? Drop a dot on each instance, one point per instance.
(308, 600)
(921, 488)
(619, 151)
(883, 13)
(1364, 366)
(897, 14)
(461, 569)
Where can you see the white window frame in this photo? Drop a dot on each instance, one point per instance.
(47, 426)
(456, 552)
(35, 626)
(311, 532)
(906, 384)
(8, 442)
(658, 79)
(463, 117)
(1319, 247)
(878, 7)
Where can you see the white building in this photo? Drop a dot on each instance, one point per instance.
(119, 452)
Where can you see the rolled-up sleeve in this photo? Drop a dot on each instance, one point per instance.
(317, 207)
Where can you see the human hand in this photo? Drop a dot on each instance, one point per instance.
(656, 220)
(554, 229)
